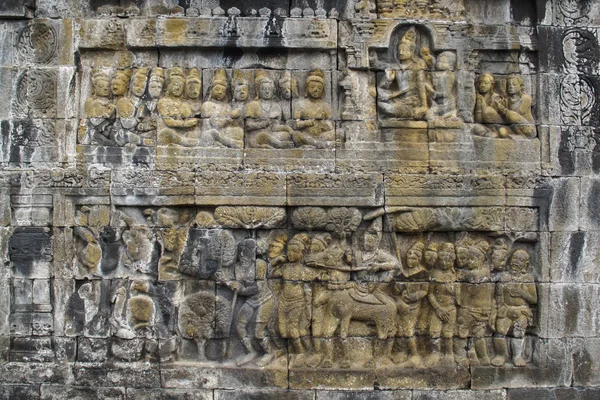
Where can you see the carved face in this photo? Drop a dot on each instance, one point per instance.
(405, 51)
(138, 244)
(499, 258)
(315, 90)
(371, 240)
(176, 87)
(119, 87)
(485, 85)
(167, 217)
(476, 259)
(431, 257)
(413, 258)
(275, 249)
(462, 256)
(513, 86)
(446, 258)
(240, 93)
(101, 88)
(218, 92)
(294, 253)
(266, 90)
(155, 88)
(444, 63)
(286, 90)
(139, 85)
(192, 89)
(519, 262)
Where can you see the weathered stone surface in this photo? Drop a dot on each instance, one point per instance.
(171, 394)
(264, 394)
(458, 395)
(59, 392)
(585, 366)
(365, 395)
(206, 199)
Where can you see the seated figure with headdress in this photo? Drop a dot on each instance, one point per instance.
(99, 110)
(313, 126)
(220, 125)
(177, 114)
(402, 92)
(264, 124)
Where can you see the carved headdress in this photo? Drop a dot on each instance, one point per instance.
(316, 75)
(376, 226)
(288, 79)
(158, 74)
(141, 72)
(193, 75)
(176, 73)
(418, 246)
(219, 78)
(238, 79)
(410, 37)
(99, 76)
(122, 75)
(260, 77)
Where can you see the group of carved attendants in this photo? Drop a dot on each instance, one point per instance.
(423, 308)
(424, 88)
(168, 103)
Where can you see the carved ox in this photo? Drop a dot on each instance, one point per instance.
(343, 302)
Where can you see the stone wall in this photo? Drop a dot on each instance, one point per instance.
(211, 199)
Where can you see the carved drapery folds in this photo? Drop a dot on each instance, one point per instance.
(250, 286)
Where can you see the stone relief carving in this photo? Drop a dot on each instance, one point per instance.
(494, 111)
(236, 283)
(37, 43)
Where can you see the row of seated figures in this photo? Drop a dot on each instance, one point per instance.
(265, 109)
(179, 116)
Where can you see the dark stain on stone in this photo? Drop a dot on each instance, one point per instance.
(565, 157)
(576, 245)
(523, 11)
(593, 201)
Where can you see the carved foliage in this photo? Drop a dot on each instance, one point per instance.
(250, 217)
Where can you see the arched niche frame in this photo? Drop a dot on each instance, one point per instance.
(384, 55)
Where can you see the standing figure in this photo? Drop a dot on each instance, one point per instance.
(514, 300)
(264, 125)
(517, 109)
(444, 81)
(293, 310)
(246, 286)
(477, 305)
(442, 296)
(402, 92)
(220, 127)
(176, 113)
(265, 314)
(313, 125)
(409, 301)
(377, 268)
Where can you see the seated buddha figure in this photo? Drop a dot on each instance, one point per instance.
(264, 117)
(313, 126)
